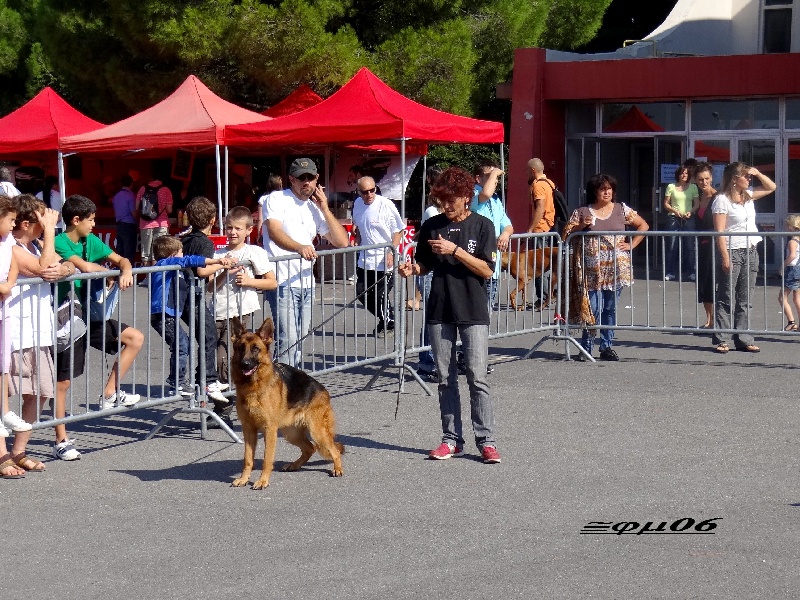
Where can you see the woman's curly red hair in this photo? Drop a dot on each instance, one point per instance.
(454, 182)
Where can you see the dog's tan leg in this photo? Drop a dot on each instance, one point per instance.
(521, 286)
(270, 441)
(250, 435)
(322, 432)
(298, 437)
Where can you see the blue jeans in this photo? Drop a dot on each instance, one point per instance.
(178, 341)
(206, 337)
(424, 284)
(491, 292)
(475, 345)
(294, 322)
(603, 304)
(682, 245)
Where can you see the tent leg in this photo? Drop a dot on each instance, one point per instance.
(219, 189)
(62, 183)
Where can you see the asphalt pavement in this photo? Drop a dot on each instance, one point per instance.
(671, 433)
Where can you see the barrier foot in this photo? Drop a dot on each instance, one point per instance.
(416, 376)
(374, 378)
(568, 339)
(203, 429)
(530, 352)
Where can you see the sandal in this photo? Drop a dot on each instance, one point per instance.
(750, 348)
(790, 326)
(8, 463)
(722, 348)
(23, 461)
(412, 305)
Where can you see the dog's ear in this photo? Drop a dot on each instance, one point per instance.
(267, 331)
(237, 329)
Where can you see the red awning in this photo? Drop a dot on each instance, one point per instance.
(41, 124)
(191, 117)
(365, 110)
(300, 99)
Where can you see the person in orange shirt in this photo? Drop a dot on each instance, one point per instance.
(542, 220)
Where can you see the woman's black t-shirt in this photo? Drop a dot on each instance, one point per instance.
(458, 296)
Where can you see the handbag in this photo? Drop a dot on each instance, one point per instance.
(69, 323)
(101, 296)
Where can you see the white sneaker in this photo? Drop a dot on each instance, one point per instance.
(214, 391)
(119, 399)
(222, 386)
(66, 451)
(3, 431)
(15, 423)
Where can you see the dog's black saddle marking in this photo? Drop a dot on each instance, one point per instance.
(301, 386)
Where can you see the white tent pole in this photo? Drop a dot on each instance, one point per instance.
(219, 190)
(62, 181)
(403, 177)
(424, 182)
(502, 179)
(227, 186)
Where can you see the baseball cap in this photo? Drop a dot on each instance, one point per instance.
(301, 166)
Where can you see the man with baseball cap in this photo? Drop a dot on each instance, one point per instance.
(295, 216)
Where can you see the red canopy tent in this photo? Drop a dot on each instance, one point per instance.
(300, 99)
(191, 117)
(41, 124)
(366, 110)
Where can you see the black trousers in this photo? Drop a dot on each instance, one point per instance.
(373, 289)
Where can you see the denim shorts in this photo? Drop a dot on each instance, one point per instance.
(791, 277)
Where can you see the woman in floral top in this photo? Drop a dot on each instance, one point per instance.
(601, 265)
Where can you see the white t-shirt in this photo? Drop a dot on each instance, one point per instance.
(232, 300)
(30, 311)
(302, 220)
(7, 189)
(56, 202)
(262, 206)
(431, 211)
(739, 218)
(376, 223)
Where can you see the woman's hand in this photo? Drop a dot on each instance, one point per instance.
(405, 269)
(725, 262)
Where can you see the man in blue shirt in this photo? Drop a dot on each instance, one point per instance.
(124, 202)
(486, 203)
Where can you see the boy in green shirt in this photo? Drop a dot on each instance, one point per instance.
(84, 250)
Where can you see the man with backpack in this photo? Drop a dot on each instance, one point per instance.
(153, 206)
(543, 220)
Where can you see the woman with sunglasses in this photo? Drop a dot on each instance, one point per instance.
(734, 212)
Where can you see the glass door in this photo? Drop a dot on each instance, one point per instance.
(770, 210)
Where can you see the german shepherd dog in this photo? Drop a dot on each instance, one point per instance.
(524, 266)
(273, 396)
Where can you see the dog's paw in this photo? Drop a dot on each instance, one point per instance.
(239, 482)
(336, 472)
(261, 484)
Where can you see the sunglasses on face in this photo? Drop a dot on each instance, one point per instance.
(367, 192)
(306, 177)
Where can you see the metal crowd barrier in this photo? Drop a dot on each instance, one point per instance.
(671, 306)
(531, 261)
(147, 375)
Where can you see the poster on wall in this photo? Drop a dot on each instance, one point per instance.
(383, 168)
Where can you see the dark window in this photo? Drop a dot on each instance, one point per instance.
(777, 30)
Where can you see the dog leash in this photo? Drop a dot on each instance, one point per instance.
(343, 308)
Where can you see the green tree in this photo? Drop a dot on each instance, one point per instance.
(116, 57)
